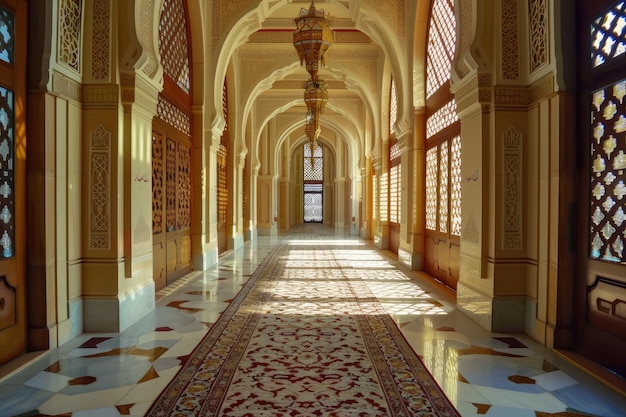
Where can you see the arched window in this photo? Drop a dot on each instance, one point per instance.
(443, 146)
(313, 183)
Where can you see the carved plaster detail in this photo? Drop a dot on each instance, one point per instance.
(392, 12)
(224, 12)
(66, 87)
(101, 39)
(101, 93)
(516, 96)
(469, 231)
(512, 189)
(510, 40)
(465, 36)
(100, 189)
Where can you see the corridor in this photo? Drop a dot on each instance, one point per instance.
(482, 374)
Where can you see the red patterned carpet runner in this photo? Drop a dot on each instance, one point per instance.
(304, 337)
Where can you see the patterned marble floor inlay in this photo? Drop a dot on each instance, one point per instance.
(483, 374)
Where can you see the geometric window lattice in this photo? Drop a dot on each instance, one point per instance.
(313, 183)
(7, 35)
(441, 44)
(441, 119)
(455, 187)
(608, 35)
(431, 188)
(538, 34)
(170, 181)
(69, 33)
(394, 194)
(607, 226)
(375, 196)
(384, 197)
(393, 109)
(222, 187)
(170, 113)
(313, 207)
(173, 44)
(157, 183)
(443, 187)
(7, 172)
(184, 187)
(512, 189)
(395, 181)
(314, 169)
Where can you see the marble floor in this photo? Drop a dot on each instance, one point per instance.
(484, 374)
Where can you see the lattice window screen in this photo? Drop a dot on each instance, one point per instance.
(441, 41)
(444, 173)
(7, 36)
(173, 43)
(7, 172)
(455, 187)
(608, 35)
(441, 119)
(431, 188)
(608, 159)
(157, 182)
(222, 190)
(170, 189)
(184, 187)
(395, 181)
(393, 108)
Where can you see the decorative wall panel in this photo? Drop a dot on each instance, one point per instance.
(606, 304)
(101, 37)
(512, 189)
(100, 190)
(510, 40)
(8, 304)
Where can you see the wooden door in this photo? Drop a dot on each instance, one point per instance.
(600, 291)
(171, 204)
(13, 320)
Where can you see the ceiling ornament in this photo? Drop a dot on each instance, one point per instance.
(312, 38)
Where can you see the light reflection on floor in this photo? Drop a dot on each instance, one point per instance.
(484, 374)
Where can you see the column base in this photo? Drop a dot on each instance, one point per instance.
(496, 314)
(116, 314)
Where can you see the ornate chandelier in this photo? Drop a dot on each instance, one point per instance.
(312, 38)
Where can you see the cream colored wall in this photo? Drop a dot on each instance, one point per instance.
(514, 126)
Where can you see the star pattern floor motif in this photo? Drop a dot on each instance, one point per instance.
(483, 374)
